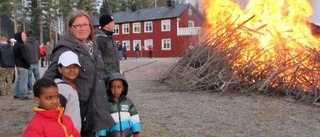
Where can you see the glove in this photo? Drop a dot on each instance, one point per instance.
(136, 135)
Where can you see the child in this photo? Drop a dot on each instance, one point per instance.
(49, 120)
(122, 109)
(69, 69)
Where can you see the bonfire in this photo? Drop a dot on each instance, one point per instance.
(258, 46)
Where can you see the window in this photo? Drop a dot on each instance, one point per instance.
(166, 44)
(190, 11)
(165, 25)
(147, 43)
(125, 29)
(116, 29)
(127, 44)
(137, 42)
(191, 23)
(136, 27)
(148, 27)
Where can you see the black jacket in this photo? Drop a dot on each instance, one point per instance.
(20, 52)
(109, 50)
(89, 84)
(6, 56)
(32, 47)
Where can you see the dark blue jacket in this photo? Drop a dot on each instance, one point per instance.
(6, 56)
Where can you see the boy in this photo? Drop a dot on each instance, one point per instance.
(122, 109)
(49, 120)
(69, 69)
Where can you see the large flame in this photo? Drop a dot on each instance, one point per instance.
(282, 32)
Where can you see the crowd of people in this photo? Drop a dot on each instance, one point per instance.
(82, 86)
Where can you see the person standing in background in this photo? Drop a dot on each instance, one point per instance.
(150, 48)
(120, 54)
(137, 50)
(22, 64)
(124, 51)
(106, 45)
(32, 47)
(42, 53)
(6, 67)
(48, 48)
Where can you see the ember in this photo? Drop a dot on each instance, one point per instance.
(266, 44)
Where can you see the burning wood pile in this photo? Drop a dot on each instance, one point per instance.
(247, 54)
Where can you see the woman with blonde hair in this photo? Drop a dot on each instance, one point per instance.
(89, 83)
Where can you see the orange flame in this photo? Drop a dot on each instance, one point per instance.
(282, 32)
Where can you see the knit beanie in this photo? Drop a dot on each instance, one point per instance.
(105, 19)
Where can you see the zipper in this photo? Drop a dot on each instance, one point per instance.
(119, 109)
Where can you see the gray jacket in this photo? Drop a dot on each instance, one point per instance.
(69, 99)
(89, 84)
(109, 50)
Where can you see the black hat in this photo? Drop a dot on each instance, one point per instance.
(105, 19)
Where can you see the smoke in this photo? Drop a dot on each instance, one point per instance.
(315, 17)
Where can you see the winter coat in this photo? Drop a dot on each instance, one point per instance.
(124, 112)
(109, 50)
(42, 52)
(69, 99)
(32, 47)
(6, 56)
(50, 123)
(48, 49)
(20, 52)
(89, 84)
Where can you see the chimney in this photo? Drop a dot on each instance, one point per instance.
(133, 8)
(170, 3)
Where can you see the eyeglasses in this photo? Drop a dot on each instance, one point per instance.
(81, 26)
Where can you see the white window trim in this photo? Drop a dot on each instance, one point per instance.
(145, 27)
(138, 25)
(123, 28)
(147, 44)
(163, 23)
(192, 22)
(190, 12)
(116, 27)
(162, 44)
(127, 44)
(135, 43)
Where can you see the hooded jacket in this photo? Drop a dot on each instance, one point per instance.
(108, 50)
(89, 84)
(20, 52)
(69, 99)
(123, 112)
(50, 123)
(6, 56)
(32, 47)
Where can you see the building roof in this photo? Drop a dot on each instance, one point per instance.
(95, 20)
(150, 13)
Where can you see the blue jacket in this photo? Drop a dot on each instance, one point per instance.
(6, 56)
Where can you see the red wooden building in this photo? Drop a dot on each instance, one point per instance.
(171, 29)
